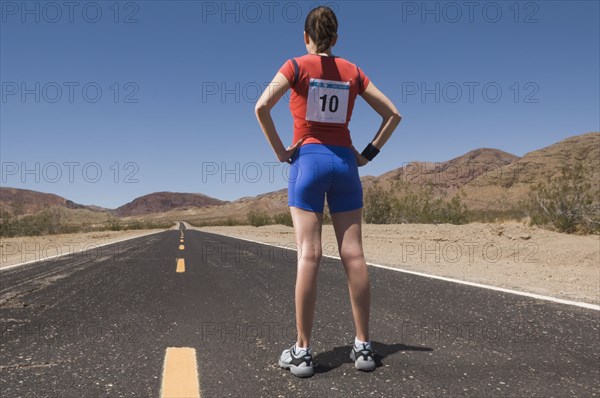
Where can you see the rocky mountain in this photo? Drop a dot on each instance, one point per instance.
(449, 175)
(24, 201)
(507, 185)
(159, 202)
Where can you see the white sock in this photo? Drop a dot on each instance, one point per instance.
(358, 343)
(298, 349)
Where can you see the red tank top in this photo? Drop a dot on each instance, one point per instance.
(327, 88)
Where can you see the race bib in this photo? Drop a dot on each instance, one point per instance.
(327, 101)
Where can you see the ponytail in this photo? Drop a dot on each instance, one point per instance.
(321, 25)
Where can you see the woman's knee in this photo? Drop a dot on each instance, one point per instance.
(352, 254)
(310, 252)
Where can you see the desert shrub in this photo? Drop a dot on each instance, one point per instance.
(7, 224)
(119, 225)
(404, 204)
(421, 205)
(283, 219)
(73, 228)
(566, 202)
(378, 204)
(115, 225)
(454, 211)
(47, 221)
(137, 224)
(258, 218)
(51, 221)
(229, 221)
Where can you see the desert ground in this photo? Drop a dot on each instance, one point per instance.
(509, 255)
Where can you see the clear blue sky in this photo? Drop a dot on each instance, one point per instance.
(179, 80)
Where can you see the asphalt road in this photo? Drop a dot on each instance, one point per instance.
(98, 323)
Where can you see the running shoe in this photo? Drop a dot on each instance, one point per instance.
(363, 357)
(299, 363)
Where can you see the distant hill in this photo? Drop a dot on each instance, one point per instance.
(448, 176)
(237, 210)
(19, 202)
(24, 201)
(159, 202)
(506, 186)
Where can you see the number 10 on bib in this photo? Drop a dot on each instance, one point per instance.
(327, 101)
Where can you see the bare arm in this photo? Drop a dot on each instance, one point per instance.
(265, 103)
(388, 112)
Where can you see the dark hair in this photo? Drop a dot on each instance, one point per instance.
(321, 25)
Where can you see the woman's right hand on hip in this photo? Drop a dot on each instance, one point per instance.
(289, 152)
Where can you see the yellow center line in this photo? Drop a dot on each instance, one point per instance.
(180, 374)
(181, 247)
(180, 265)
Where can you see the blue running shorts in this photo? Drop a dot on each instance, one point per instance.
(317, 170)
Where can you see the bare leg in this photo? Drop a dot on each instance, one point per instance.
(307, 227)
(348, 233)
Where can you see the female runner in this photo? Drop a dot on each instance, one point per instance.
(324, 163)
